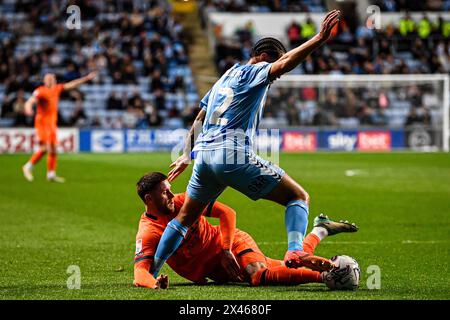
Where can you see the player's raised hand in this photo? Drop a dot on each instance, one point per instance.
(29, 112)
(162, 282)
(91, 75)
(29, 106)
(331, 19)
(231, 266)
(178, 167)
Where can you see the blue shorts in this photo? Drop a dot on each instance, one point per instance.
(214, 170)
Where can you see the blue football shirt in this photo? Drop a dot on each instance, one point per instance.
(234, 107)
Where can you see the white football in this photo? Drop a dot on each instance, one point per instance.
(345, 276)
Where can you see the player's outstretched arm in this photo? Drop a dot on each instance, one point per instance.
(227, 217)
(78, 82)
(143, 278)
(185, 159)
(293, 58)
(29, 105)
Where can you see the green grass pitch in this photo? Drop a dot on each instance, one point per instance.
(401, 202)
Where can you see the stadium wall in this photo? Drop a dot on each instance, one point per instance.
(20, 140)
(275, 24)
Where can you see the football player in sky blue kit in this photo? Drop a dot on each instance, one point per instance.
(229, 116)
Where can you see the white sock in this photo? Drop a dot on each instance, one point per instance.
(28, 166)
(51, 174)
(321, 232)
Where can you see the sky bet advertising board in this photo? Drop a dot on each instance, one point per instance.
(20, 140)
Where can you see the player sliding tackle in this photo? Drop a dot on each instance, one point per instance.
(204, 252)
(46, 97)
(234, 104)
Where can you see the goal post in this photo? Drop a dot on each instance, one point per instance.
(446, 106)
(418, 104)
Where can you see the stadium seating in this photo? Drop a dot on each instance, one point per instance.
(264, 6)
(354, 50)
(149, 34)
(127, 45)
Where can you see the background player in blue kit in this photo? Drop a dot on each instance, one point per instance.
(229, 116)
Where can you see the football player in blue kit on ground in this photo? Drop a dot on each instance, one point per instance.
(224, 156)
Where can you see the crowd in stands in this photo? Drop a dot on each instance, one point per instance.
(139, 50)
(408, 5)
(364, 105)
(263, 5)
(316, 5)
(410, 47)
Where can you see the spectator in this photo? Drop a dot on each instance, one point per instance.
(322, 118)
(426, 116)
(309, 66)
(153, 118)
(157, 83)
(424, 27)
(135, 101)
(292, 112)
(363, 32)
(365, 115)
(293, 33)
(331, 103)
(142, 119)
(117, 77)
(114, 102)
(71, 73)
(128, 71)
(380, 118)
(413, 118)
(246, 33)
(308, 29)
(188, 115)
(406, 25)
(79, 117)
(443, 27)
(130, 118)
(18, 106)
(178, 85)
(345, 36)
(159, 99)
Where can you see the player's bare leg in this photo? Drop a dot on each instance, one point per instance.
(190, 211)
(27, 169)
(176, 231)
(291, 195)
(51, 165)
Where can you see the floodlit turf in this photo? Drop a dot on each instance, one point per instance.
(401, 202)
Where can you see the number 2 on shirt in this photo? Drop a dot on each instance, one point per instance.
(215, 117)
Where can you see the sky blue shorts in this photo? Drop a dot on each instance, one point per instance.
(214, 170)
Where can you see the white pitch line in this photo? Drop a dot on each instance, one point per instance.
(366, 242)
(355, 172)
(423, 242)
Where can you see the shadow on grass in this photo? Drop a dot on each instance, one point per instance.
(301, 287)
(63, 287)
(209, 284)
(97, 288)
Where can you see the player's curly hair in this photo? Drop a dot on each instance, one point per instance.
(269, 45)
(148, 182)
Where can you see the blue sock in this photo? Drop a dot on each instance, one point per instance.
(170, 241)
(296, 220)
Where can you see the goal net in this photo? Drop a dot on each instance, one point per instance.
(405, 111)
